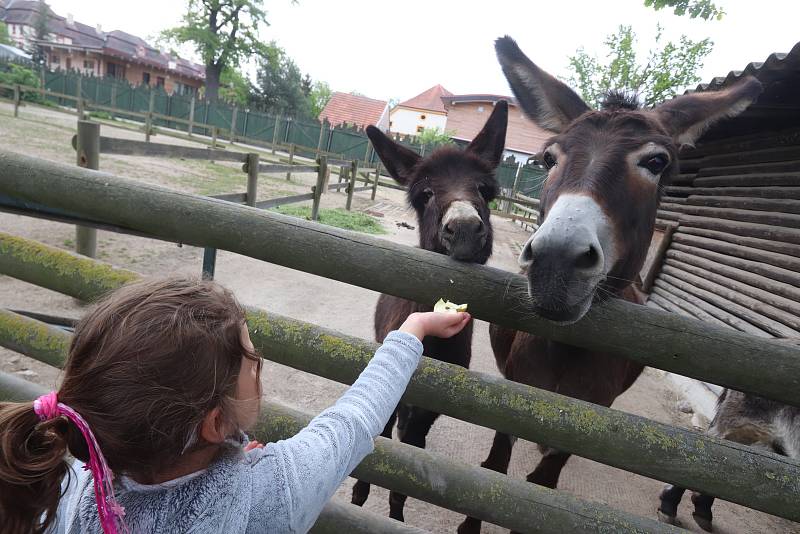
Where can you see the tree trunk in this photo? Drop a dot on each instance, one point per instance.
(213, 72)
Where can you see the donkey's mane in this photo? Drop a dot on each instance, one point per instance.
(618, 100)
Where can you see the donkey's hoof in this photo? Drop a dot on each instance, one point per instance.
(665, 518)
(470, 525)
(703, 522)
(360, 494)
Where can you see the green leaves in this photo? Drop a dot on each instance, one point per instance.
(705, 9)
(669, 68)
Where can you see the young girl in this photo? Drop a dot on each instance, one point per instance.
(160, 381)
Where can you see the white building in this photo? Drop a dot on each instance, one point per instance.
(424, 111)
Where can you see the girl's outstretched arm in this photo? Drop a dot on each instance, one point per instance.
(306, 469)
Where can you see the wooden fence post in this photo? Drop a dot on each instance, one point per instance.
(352, 185)
(149, 121)
(191, 116)
(79, 102)
(17, 97)
(88, 151)
(252, 179)
(377, 177)
(321, 135)
(214, 133)
(291, 161)
(322, 161)
(233, 124)
(209, 263)
(514, 187)
(275, 132)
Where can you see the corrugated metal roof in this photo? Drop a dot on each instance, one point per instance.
(777, 108)
(776, 65)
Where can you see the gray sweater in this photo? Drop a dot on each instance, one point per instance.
(280, 488)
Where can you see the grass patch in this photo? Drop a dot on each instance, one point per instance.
(340, 218)
(104, 115)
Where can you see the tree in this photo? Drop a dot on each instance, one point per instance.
(705, 9)
(319, 97)
(669, 68)
(5, 38)
(234, 87)
(433, 137)
(41, 29)
(223, 32)
(279, 84)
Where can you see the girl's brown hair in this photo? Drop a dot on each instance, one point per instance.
(144, 368)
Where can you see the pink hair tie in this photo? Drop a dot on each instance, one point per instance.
(111, 513)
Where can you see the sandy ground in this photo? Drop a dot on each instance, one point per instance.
(346, 308)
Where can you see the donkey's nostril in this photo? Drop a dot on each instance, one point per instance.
(587, 259)
(449, 228)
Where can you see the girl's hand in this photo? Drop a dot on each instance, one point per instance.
(253, 445)
(442, 325)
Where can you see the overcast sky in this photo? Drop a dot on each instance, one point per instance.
(397, 49)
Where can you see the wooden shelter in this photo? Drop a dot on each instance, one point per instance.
(727, 245)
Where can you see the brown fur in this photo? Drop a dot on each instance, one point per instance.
(593, 151)
(446, 176)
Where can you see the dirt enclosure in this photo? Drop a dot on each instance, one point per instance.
(46, 134)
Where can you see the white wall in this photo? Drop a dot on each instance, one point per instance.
(405, 121)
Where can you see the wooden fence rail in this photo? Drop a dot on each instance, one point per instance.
(659, 339)
(731, 471)
(481, 493)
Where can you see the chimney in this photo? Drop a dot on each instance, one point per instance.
(99, 29)
(70, 20)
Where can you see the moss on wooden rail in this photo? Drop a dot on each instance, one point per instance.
(648, 448)
(659, 339)
(731, 471)
(68, 273)
(435, 478)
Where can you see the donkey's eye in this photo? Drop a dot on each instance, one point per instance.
(426, 194)
(549, 160)
(655, 163)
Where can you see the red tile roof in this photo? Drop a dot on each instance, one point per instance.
(353, 109)
(430, 100)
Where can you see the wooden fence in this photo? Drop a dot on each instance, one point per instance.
(89, 145)
(733, 472)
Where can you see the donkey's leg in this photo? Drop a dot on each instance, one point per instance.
(498, 460)
(670, 499)
(361, 488)
(702, 510)
(549, 469)
(417, 422)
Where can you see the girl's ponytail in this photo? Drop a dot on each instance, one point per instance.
(32, 466)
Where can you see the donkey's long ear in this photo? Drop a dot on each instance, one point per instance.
(397, 159)
(687, 117)
(491, 140)
(547, 101)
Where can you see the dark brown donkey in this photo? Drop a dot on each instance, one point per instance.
(598, 208)
(450, 190)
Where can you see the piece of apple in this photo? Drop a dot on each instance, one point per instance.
(445, 306)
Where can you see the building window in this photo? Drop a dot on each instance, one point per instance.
(55, 60)
(114, 70)
(146, 78)
(423, 117)
(88, 65)
(420, 129)
(160, 81)
(390, 124)
(69, 63)
(480, 109)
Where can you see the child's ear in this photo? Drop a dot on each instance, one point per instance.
(212, 428)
